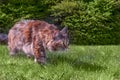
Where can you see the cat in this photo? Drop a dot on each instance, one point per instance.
(33, 37)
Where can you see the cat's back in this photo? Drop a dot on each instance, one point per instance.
(29, 24)
(27, 28)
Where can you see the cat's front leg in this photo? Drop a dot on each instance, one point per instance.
(39, 51)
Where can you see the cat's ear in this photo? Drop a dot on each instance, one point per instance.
(64, 30)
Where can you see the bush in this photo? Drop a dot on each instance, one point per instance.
(10, 14)
(88, 21)
(93, 22)
(12, 11)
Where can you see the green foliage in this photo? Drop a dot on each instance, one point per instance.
(11, 13)
(93, 22)
(88, 21)
(14, 10)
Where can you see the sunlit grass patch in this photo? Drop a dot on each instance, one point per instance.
(78, 63)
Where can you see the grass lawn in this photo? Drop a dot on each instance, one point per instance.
(78, 63)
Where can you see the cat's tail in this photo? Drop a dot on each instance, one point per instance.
(3, 38)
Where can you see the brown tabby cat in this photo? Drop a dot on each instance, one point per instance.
(33, 37)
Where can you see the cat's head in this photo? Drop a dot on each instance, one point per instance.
(60, 41)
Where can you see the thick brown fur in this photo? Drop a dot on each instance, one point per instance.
(33, 37)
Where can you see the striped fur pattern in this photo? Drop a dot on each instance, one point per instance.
(33, 37)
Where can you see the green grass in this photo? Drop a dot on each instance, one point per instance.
(78, 63)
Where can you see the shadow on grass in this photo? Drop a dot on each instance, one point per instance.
(75, 63)
(87, 66)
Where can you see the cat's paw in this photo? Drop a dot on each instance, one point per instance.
(42, 60)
